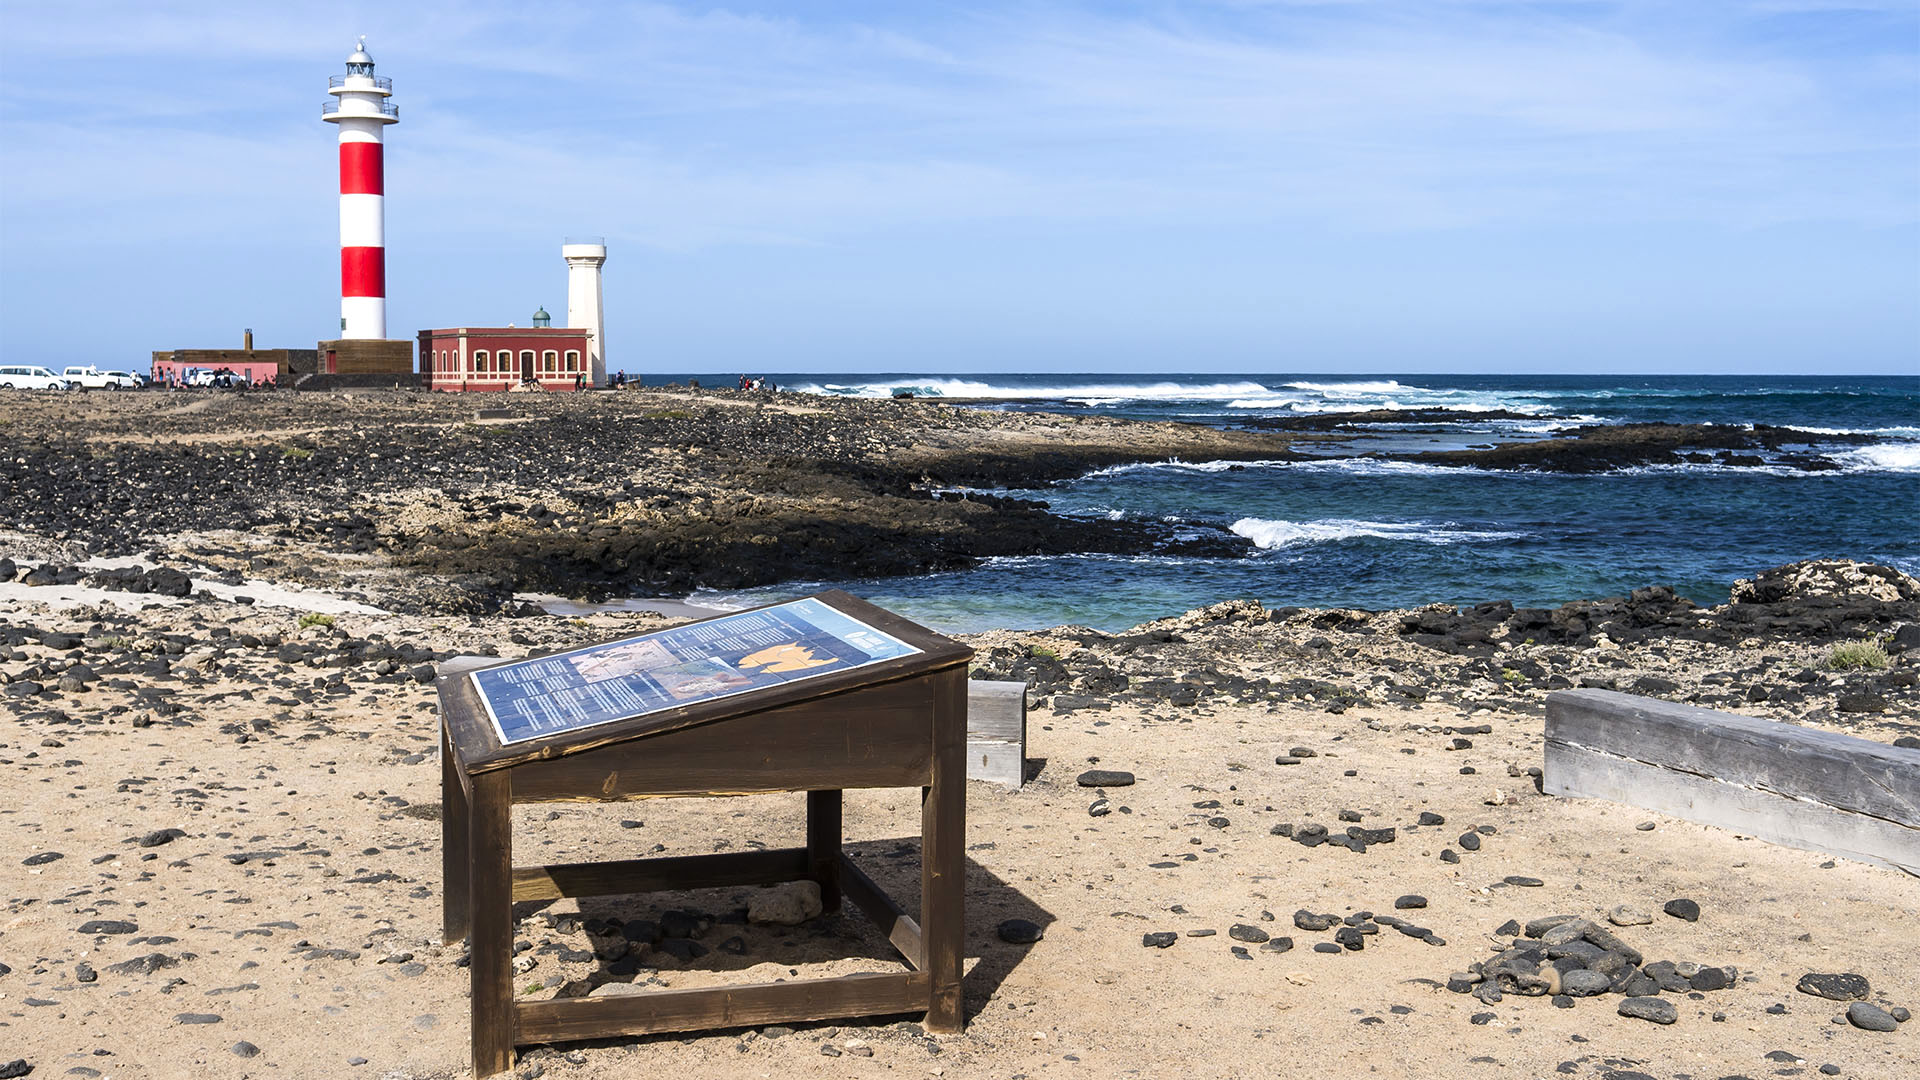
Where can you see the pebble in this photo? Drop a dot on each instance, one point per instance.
(1581, 982)
(244, 1049)
(1104, 778)
(1522, 881)
(1868, 1017)
(1657, 1010)
(1409, 902)
(1711, 978)
(1020, 931)
(1470, 841)
(1326, 947)
(1099, 808)
(41, 858)
(1278, 945)
(1307, 920)
(197, 1018)
(1623, 915)
(1159, 939)
(1428, 817)
(1844, 986)
(1683, 909)
(1252, 935)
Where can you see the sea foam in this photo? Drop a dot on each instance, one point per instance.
(1270, 535)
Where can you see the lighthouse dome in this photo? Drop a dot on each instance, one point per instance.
(360, 54)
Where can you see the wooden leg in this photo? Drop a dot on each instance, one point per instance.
(490, 891)
(943, 842)
(455, 912)
(823, 845)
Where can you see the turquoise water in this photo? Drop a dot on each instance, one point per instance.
(1380, 534)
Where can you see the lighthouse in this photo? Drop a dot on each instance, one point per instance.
(585, 256)
(361, 111)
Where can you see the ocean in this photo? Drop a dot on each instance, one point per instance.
(1346, 532)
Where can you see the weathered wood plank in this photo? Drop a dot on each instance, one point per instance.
(1776, 781)
(824, 831)
(875, 994)
(875, 738)
(997, 732)
(943, 839)
(885, 912)
(455, 912)
(657, 875)
(490, 945)
(1796, 823)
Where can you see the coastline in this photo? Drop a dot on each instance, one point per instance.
(223, 742)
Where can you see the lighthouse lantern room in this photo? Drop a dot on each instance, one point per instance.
(361, 110)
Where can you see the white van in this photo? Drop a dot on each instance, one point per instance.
(92, 378)
(29, 377)
(129, 379)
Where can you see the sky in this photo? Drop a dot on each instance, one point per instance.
(1235, 186)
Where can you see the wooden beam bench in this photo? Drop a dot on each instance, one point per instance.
(1768, 779)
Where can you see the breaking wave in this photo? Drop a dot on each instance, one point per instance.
(1269, 534)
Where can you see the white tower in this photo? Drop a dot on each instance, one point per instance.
(585, 256)
(361, 110)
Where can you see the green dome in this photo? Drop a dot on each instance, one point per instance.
(541, 318)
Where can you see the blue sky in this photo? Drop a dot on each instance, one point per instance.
(1431, 185)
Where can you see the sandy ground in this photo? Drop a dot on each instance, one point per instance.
(301, 905)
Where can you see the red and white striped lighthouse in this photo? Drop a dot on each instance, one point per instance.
(361, 109)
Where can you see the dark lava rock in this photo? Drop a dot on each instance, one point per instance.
(1159, 939)
(197, 1018)
(1351, 937)
(1711, 978)
(1582, 983)
(1658, 1010)
(1020, 932)
(144, 965)
(1307, 920)
(1099, 808)
(1845, 986)
(1861, 703)
(158, 837)
(1105, 778)
(244, 1049)
(1409, 902)
(1428, 817)
(15, 1068)
(108, 926)
(1470, 841)
(41, 858)
(1252, 935)
(1277, 945)
(1523, 882)
(1683, 909)
(1869, 1017)
(1326, 947)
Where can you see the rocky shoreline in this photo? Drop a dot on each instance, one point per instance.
(217, 712)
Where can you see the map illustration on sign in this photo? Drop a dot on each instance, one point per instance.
(666, 669)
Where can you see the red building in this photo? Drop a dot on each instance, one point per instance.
(503, 357)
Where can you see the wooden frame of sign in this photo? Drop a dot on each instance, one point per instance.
(898, 722)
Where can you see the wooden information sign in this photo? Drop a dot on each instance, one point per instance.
(816, 695)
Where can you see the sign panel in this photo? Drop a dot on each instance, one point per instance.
(733, 654)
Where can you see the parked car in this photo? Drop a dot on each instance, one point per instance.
(92, 378)
(132, 380)
(30, 377)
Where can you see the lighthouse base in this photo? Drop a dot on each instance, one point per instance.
(365, 356)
